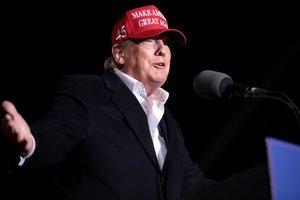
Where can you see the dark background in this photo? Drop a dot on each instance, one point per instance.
(255, 44)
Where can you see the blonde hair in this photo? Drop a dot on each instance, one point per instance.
(110, 62)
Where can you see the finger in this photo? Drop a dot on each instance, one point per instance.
(7, 124)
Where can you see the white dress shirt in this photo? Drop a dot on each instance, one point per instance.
(154, 109)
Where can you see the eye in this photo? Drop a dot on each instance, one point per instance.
(150, 41)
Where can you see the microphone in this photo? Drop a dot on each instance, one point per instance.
(219, 86)
(216, 86)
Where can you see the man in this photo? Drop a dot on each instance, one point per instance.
(112, 136)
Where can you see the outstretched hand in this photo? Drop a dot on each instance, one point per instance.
(16, 129)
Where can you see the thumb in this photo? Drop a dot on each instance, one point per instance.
(9, 108)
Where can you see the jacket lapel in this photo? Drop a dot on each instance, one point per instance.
(171, 132)
(137, 120)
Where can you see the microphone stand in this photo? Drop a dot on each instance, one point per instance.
(254, 92)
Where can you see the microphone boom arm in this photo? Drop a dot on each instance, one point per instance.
(275, 95)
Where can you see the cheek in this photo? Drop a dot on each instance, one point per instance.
(135, 58)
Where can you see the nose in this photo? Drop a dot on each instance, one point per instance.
(161, 48)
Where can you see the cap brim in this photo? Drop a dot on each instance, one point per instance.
(177, 37)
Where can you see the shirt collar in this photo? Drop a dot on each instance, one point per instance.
(137, 87)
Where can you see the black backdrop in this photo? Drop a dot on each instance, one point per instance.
(256, 44)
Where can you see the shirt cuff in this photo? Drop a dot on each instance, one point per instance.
(23, 158)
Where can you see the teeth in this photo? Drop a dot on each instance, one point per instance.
(159, 64)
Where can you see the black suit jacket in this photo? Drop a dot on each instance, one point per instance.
(96, 140)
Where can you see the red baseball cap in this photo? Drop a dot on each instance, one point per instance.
(142, 23)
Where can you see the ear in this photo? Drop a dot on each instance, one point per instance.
(118, 54)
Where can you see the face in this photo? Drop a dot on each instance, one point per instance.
(148, 61)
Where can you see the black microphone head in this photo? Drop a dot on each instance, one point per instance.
(211, 84)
